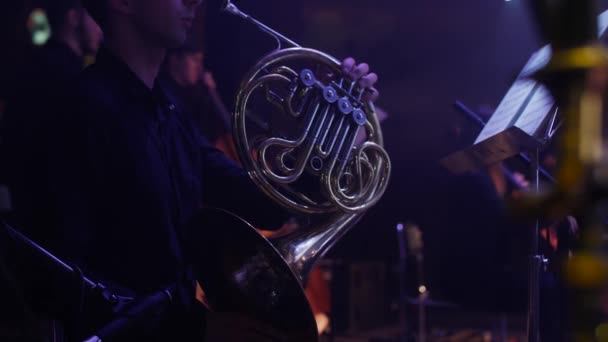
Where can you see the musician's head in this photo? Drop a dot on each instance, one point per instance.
(162, 22)
(71, 24)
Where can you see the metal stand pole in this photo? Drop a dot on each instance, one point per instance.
(403, 322)
(536, 264)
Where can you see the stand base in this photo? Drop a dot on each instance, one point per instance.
(537, 263)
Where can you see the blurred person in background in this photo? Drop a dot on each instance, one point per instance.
(48, 70)
(74, 36)
(194, 88)
(36, 79)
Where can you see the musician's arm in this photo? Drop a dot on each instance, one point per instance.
(226, 185)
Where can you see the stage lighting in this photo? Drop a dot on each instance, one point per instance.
(38, 25)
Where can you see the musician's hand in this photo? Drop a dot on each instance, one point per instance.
(360, 72)
(362, 134)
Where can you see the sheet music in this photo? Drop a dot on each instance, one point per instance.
(519, 120)
(542, 102)
(602, 21)
(511, 105)
(536, 111)
(508, 109)
(520, 106)
(538, 60)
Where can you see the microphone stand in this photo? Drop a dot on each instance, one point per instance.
(410, 242)
(135, 315)
(401, 240)
(41, 253)
(131, 311)
(415, 244)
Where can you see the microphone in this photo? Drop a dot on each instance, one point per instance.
(231, 8)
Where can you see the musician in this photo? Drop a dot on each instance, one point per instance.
(194, 88)
(121, 169)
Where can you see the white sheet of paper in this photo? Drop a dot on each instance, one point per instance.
(509, 112)
(535, 112)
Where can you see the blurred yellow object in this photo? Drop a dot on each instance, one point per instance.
(583, 57)
(586, 271)
(88, 60)
(601, 332)
(577, 77)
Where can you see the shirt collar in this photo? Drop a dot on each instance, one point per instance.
(114, 67)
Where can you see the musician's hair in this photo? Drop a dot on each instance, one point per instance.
(98, 10)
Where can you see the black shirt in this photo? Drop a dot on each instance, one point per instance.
(110, 177)
(197, 101)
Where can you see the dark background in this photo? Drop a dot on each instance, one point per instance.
(428, 55)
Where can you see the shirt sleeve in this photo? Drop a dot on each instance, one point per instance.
(228, 186)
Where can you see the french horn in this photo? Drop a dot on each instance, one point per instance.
(310, 141)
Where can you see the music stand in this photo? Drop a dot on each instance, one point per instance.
(524, 121)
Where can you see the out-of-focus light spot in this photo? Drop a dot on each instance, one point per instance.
(422, 289)
(38, 25)
(586, 271)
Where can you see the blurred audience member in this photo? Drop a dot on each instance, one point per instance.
(41, 76)
(74, 37)
(194, 88)
(47, 70)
